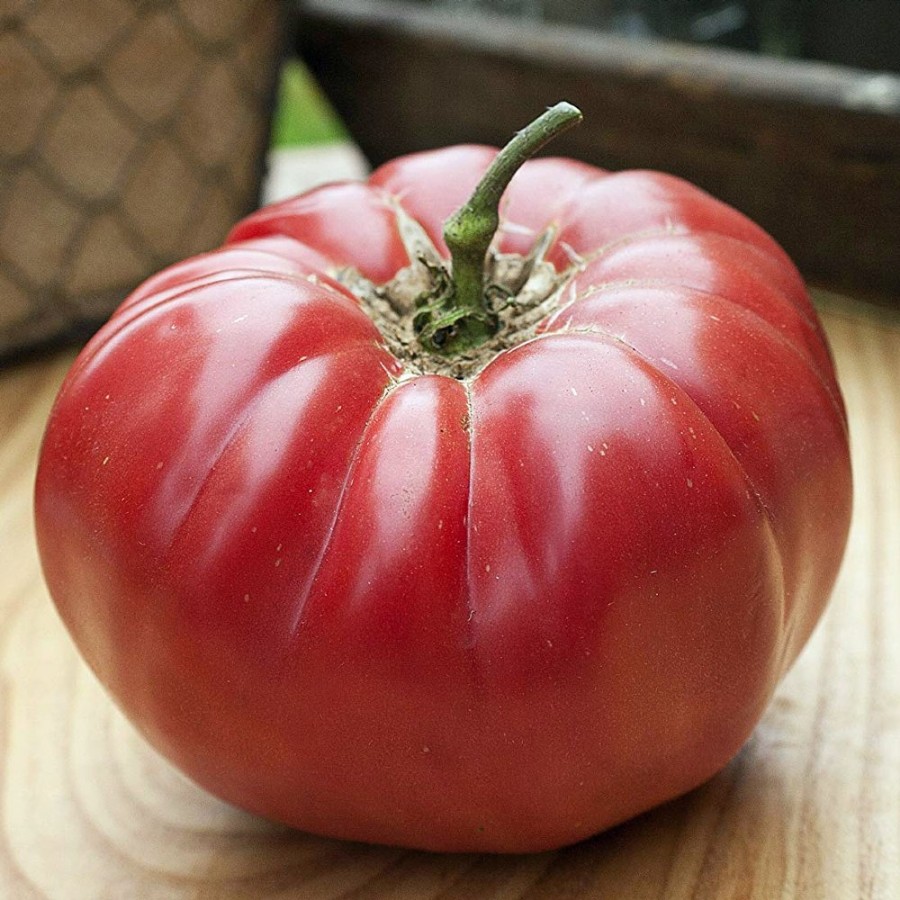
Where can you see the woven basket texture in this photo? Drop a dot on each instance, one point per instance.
(132, 134)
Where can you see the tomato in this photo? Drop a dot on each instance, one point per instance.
(359, 568)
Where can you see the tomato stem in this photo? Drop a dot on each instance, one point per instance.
(456, 316)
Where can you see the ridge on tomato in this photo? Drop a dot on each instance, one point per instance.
(481, 555)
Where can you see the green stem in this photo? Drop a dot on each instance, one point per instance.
(459, 318)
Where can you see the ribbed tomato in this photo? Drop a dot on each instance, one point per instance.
(497, 598)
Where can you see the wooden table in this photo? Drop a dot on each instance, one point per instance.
(809, 809)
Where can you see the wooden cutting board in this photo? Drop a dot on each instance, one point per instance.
(809, 809)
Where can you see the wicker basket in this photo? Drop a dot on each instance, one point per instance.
(132, 134)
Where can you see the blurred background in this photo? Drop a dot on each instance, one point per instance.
(135, 132)
(862, 34)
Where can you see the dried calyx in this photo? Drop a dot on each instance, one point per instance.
(453, 319)
(520, 291)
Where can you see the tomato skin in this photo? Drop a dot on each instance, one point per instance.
(500, 613)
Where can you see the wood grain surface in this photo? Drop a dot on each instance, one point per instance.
(810, 808)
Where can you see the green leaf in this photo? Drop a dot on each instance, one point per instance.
(303, 115)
